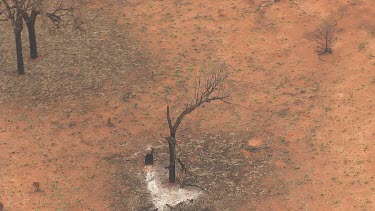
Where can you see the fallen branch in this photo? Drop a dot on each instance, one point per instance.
(183, 167)
(170, 207)
(197, 186)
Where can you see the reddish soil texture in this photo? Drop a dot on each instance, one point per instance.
(319, 107)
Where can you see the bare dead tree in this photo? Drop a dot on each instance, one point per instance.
(326, 37)
(204, 92)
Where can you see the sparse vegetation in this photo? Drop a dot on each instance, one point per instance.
(362, 46)
(298, 131)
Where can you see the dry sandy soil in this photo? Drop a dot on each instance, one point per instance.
(297, 134)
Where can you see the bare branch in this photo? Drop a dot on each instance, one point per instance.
(169, 119)
(197, 186)
(212, 90)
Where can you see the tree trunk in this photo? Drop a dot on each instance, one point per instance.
(32, 39)
(20, 67)
(30, 23)
(172, 159)
(17, 24)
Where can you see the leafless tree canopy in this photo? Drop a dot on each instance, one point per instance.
(211, 89)
(326, 36)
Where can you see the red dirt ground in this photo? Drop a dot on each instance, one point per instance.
(321, 107)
